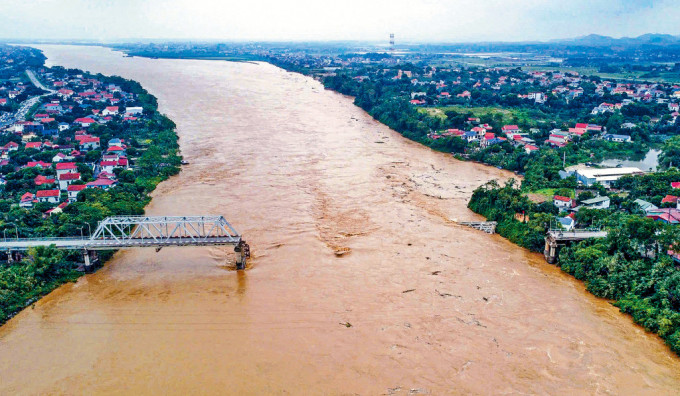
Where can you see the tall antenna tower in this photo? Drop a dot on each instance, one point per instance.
(392, 42)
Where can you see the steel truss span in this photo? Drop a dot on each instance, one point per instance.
(142, 231)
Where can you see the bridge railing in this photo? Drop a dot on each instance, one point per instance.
(46, 239)
(121, 228)
(132, 231)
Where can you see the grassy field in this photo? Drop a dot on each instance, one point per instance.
(545, 194)
(530, 64)
(550, 192)
(668, 77)
(509, 115)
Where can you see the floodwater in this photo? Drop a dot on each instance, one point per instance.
(349, 224)
(649, 163)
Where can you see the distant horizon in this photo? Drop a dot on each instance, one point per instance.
(425, 21)
(302, 41)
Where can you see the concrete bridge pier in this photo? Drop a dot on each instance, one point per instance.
(243, 250)
(13, 256)
(551, 250)
(91, 258)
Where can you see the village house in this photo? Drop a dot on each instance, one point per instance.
(43, 180)
(617, 138)
(665, 215)
(134, 110)
(596, 203)
(66, 179)
(38, 164)
(56, 210)
(66, 167)
(645, 206)
(510, 129)
(562, 203)
(73, 190)
(88, 142)
(27, 200)
(102, 183)
(110, 110)
(85, 121)
(51, 196)
(567, 222)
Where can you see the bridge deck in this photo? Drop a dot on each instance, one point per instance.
(87, 244)
(577, 235)
(119, 232)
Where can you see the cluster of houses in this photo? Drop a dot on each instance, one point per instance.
(61, 181)
(485, 137)
(10, 90)
(68, 179)
(571, 206)
(670, 214)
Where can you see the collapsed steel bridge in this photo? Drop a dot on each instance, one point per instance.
(118, 232)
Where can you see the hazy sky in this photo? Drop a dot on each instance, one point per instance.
(410, 20)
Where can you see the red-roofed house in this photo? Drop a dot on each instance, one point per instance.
(55, 210)
(675, 185)
(40, 180)
(11, 146)
(66, 179)
(562, 202)
(670, 199)
(34, 145)
(666, 215)
(88, 142)
(103, 184)
(38, 164)
(66, 167)
(510, 129)
(51, 196)
(530, 148)
(115, 150)
(65, 93)
(108, 166)
(85, 121)
(110, 110)
(73, 191)
(27, 200)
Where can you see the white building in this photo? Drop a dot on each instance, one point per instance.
(606, 177)
(134, 110)
(596, 203)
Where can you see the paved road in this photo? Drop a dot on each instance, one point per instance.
(37, 82)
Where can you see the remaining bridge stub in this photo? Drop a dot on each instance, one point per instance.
(555, 239)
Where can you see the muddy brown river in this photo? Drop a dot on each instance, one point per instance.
(434, 308)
